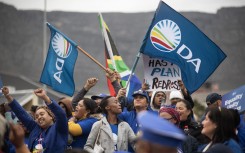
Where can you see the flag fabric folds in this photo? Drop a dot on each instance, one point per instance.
(59, 65)
(175, 39)
(115, 62)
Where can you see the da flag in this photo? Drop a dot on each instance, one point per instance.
(175, 39)
(115, 62)
(59, 66)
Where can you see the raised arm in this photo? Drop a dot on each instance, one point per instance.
(185, 93)
(80, 95)
(19, 111)
(114, 77)
(60, 115)
(121, 96)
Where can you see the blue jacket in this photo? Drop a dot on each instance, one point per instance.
(130, 118)
(56, 135)
(233, 145)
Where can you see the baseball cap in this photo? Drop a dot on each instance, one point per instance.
(213, 97)
(100, 96)
(161, 132)
(142, 93)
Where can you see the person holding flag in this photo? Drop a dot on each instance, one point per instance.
(115, 62)
(91, 82)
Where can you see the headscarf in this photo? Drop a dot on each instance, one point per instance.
(172, 112)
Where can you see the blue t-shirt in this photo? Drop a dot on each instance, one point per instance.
(114, 129)
(86, 125)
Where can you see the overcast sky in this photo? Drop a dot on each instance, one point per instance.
(210, 6)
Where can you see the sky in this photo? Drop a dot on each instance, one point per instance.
(126, 6)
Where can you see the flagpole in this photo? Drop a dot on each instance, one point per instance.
(133, 68)
(93, 59)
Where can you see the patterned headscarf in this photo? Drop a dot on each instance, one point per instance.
(172, 112)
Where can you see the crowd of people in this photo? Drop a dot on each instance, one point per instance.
(104, 123)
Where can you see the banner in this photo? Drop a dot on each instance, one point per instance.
(161, 75)
(235, 99)
(60, 62)
(175, 39)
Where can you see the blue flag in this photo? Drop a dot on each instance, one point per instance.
(134, 85)
(59, 66)
(175, 39)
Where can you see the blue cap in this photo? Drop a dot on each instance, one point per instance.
(100, 96)
(213, 97)
(142, 93)
(160, 131)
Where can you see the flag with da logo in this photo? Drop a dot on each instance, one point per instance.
(59, 66)
(115, 62)
(175, 39)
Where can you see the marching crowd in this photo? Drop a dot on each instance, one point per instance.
(103, 123)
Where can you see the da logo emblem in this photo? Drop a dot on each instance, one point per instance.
(61, 46)
(166, 35)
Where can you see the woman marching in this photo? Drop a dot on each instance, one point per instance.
(49, 130)
(113, 134)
